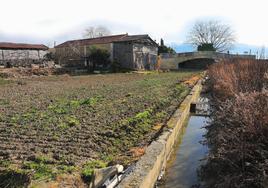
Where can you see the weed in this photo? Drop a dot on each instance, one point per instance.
(4, 82)
(41, 170)
(91, 101)
(160, 115)
(75, 103)
(143, 115)
(72, 121)
(63, 126)
(43, 159)
(4, 102)
(65, 169)
(58, 109)
(5, 163)
(15, 119)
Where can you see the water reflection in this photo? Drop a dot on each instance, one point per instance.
(182, 167)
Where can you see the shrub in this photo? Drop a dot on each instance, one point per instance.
(239, 129)
(99, 56)
(115, 66)
(231, 77)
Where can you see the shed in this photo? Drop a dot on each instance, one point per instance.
(21, 54)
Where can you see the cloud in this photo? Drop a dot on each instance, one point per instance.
(170, 19)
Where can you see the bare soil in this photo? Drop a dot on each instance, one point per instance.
(57, 124)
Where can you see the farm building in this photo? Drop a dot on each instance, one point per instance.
(138, 52)
(18, 54)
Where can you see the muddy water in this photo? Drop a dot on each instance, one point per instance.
(182, 167)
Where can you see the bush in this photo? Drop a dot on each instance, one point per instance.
(99, 56)
(238, 133)
(115, 66)
(229, 78)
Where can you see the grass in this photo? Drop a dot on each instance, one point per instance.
(4, 81)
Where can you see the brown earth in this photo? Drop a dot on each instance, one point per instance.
(65, 121)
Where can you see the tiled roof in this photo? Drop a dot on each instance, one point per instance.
(8, 45)
(104, 40)
(91, 41)
(138, 37)
(134, 37)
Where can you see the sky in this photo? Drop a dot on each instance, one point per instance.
(36, 21)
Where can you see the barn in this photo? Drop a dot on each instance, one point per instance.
(136, 52)
(21, 55)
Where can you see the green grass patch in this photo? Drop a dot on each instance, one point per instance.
(180, 90)
(5, 163)
(4, 102)
(4, 81)
(63, 106)
(44, 168)
(41, 170)
(72, 121)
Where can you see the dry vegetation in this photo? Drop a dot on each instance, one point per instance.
(61, 124)
(238, 133)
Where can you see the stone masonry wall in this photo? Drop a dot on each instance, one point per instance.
(123, 54)
(145, 56)
(24, 58)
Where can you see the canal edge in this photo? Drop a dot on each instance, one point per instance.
(148, 168)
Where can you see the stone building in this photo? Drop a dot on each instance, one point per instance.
(18, 54)
(137, 52)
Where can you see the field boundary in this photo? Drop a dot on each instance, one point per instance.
(148, 168)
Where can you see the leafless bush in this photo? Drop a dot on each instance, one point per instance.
(231, 77)
(239, 129)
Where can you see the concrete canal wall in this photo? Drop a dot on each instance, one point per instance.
(148, 168)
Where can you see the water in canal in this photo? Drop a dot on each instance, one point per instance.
(181, 171)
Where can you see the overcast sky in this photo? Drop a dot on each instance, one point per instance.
(46, 21)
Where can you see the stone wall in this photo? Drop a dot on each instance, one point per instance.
(123, 54)
(21, 58)
(169, 64)
(144, 56)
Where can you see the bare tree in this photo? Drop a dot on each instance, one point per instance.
(93, 32)
(212, 32)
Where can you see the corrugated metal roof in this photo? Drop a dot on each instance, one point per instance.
(9, 45)
(104, 40)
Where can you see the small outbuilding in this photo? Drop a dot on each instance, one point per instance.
(18, 54)
(136, 52)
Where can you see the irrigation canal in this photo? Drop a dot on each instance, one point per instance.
(188, 154)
